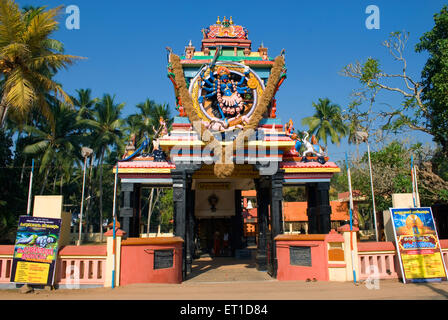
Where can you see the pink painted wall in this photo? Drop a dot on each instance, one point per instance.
(7, 249)
(376, 246)
(95, 250)
(319, 260)
(90, 262)
(137, 264)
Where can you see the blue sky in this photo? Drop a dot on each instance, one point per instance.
(125, 42)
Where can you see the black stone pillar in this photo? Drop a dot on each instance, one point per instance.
(126, 209)
(276, 203)
(180, 211)
(276, 218)
(183, 199)
(311, 194)
(319, 209)
(190, 224)
(134, 228)
(263, 201)
(323, 207)
(237, 224)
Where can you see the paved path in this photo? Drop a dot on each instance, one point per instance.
(222, 269)
(230, 279)
(245, 290)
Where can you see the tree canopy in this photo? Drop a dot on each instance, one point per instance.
(28, 60)
(326, 122)
(435, 77)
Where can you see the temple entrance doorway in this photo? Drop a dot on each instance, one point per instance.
(221, 252)
(214, 238)
(218, 219)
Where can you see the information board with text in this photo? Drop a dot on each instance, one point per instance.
(36, 250)
(418, 245)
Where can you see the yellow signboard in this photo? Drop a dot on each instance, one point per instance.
(423, 266)
(418, 245)
(32, 272)
(36, 250)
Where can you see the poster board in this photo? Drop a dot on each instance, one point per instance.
(35, 250)
(418, 245)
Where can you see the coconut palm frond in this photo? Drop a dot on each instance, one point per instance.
(326, 122)
(40, 27)
(37, 147)
(29, 58)
(20, 92)
(32, 130)
(11, 22)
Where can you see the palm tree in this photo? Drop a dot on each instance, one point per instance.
(29, 59)
(326, 121)
(56, 144)
(106, 132)
(147, 121)
(84, 103)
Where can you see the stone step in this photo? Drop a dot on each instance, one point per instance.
(243, 254)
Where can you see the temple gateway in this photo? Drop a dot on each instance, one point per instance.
(226, 139)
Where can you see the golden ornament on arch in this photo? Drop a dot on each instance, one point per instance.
(252, 83)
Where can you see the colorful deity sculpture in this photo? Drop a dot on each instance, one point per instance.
(160, 132)
(163, 127)
(312, 148)
(130, 147)
(157, 154)
(289, 128)
(227, 92)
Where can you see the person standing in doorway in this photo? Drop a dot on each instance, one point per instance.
(225, 243)
(217, 244)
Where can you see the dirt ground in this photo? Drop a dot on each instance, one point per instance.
(228, 279)
(245, 290)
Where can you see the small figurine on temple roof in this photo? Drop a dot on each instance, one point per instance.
(310, 149)
(155, 144)
(164, 128)
(130, 147)
(298, 141)
(162, 131)
(132, 140)
(289, 128)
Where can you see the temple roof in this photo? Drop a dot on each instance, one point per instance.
(226, 46)
(225, 34)
(225, 29)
